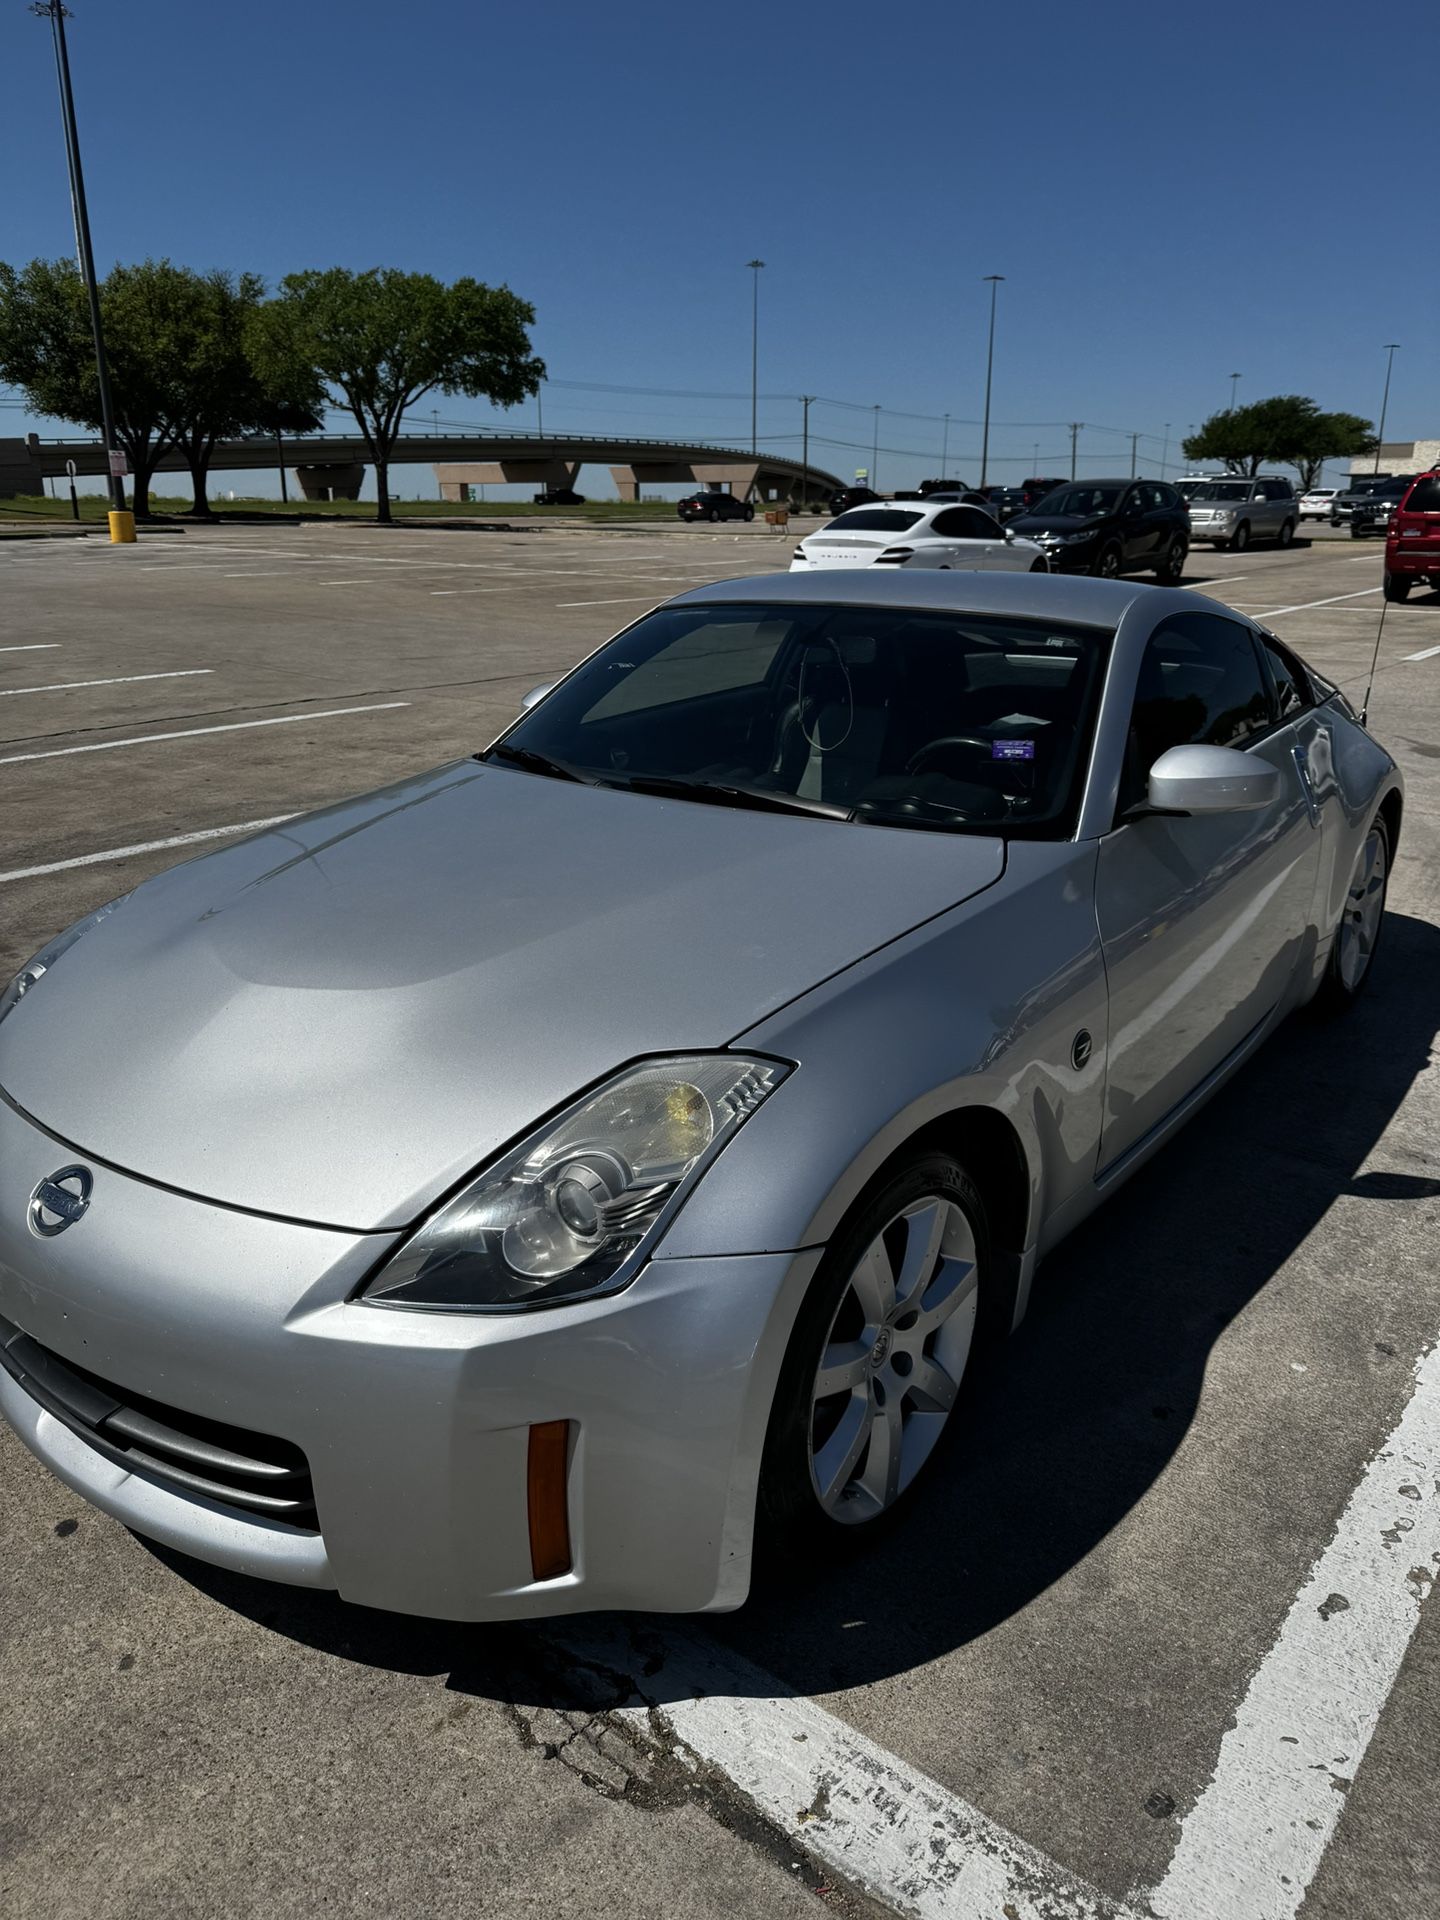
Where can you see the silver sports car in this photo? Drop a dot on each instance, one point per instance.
(511, 1192)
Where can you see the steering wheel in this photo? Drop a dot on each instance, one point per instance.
(922, 756)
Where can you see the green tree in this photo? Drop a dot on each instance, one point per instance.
(1286, 430)
(381, 339)
(46, 351)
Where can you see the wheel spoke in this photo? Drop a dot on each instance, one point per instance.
(924, 1230)
(955, 1283)
(881, 1478)
(835, 1461)
(873, 1282)
(843, 1366)
(930, 1389)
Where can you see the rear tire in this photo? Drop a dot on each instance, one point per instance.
(1171, 568)
(1348, 970)
(906, 1306)
(1287, 533)
(1040, 566)
(1397, 586)
(713, 515)
(1240, 539)
(749, 513)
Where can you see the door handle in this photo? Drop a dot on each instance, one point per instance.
(1302, 767)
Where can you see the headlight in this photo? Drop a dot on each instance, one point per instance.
(35, 969)
(1078, 539)
(565, 1214)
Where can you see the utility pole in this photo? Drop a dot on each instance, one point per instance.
(755, 266)
(1389, 349)
(993, 280)
(1235, 380)
(280, 456)
(1075, 426)
(540, 408)
(806, 400)
(1134, 444)
(875, 454)
(1165, 451)
(55, 12)
(945, 447)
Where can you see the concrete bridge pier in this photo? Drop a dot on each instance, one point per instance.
(456, 478)
(331, 482)
(736, 476)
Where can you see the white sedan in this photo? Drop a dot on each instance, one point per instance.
(901, 533)
(1315, 505)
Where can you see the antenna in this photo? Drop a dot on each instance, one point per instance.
(1369, 684)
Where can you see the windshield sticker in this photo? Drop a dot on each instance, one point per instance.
(1012, 749)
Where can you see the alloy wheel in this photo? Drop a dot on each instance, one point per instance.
(1108, 566)
(893, 1359)
(1364, 904)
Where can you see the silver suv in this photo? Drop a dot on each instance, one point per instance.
(1233, 512)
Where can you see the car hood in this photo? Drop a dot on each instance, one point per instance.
(1031, 524)
(338, 1019)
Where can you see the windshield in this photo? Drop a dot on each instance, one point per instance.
(882, 716)
(1221, 490)
(874, 520)
(1081, 502)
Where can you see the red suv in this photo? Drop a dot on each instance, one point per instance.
(1412, 541)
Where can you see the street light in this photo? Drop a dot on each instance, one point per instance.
(807, 400)
(55, 12)
(1388, 349)
(755, 266)
(945, 447)
(875, 451)
(993, 280)
(1235, 380)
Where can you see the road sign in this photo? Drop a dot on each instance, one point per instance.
(119, 466)
(861, 473)
(70, 468)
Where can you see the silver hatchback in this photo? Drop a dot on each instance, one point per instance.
(509, 1192)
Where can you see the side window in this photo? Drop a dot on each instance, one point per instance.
(1277, 490)
(984, 525)
(1167, 497)
(1200, 684)
(952, 524)
(1292, 686)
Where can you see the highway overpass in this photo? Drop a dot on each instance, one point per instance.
(332, 466)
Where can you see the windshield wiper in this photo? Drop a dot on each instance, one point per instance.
(535, 762)
(720, 794)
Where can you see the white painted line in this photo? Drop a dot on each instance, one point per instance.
(251, 574)
(33, 646)
(119, 680)
(894, 1832)
(1226, 580)
(1270, 612)
(192, 733)
(624, 599)
(449, 593)
(1425, 653)
(368, 581)
(1250, 1846)
(143, 846)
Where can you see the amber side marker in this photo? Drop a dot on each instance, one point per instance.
(547, 1499)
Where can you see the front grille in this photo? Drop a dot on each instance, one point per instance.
(254, 1471)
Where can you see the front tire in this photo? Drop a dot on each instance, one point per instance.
(903, 1310)
(1240, 539)
(713, 515)
(749, 513)
(1106, 565)
(1361, 918)
(1397, 586)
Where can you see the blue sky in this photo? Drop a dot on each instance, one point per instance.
(1167, 205)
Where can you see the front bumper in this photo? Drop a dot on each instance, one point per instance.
(415, 1425)
(1063, 559)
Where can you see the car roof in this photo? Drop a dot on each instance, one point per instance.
(1034, 596)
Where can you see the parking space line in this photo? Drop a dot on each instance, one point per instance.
(143, 846)
(1304, 605)
(192, 733)
(1251, 1844)
(33, 646)
(1425, 653)
(624, 599)
(117, 680)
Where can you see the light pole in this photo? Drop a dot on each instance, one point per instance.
(1134, 446)
(54, 12)
(1075, 426)
(1165, 451)
(993, 280)
(754, 266)
(540, 409)
(1389, 350)
(945, 447)
(806, 400)
(1235, 379)
(875, 451)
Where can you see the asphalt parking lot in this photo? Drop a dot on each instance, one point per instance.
(1154, 1643)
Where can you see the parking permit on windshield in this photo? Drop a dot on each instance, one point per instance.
(1012, 749)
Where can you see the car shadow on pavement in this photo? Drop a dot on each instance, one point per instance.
(1084, 1409)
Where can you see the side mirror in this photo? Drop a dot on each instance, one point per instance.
(1009, 534)
(1212, 780)
(536, 695)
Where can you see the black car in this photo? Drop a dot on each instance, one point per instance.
(1368, 509)
(1006, 502)
(559, 497)
(714, 506)
(1035, 491)
(844, 498)
(1111, 527)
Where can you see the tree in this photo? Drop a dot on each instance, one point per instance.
(217, 391)
(1289, 430)
(382, 339)
(46, 350)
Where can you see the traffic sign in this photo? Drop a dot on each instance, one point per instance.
(862, 473)
(119, 465)
(70, 468)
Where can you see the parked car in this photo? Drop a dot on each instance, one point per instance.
(1186, 485)
(1110, 527)
(1371, 512)
(955, 496)
(546, 1165)
(1006, 502)
(954, 485)
(1233, 512)
(714, 506)
(1036, 490)
(933, 534)
(1316, 504)
(1342, 507)
(1412, 540)
(559, 497)
(844, 498)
